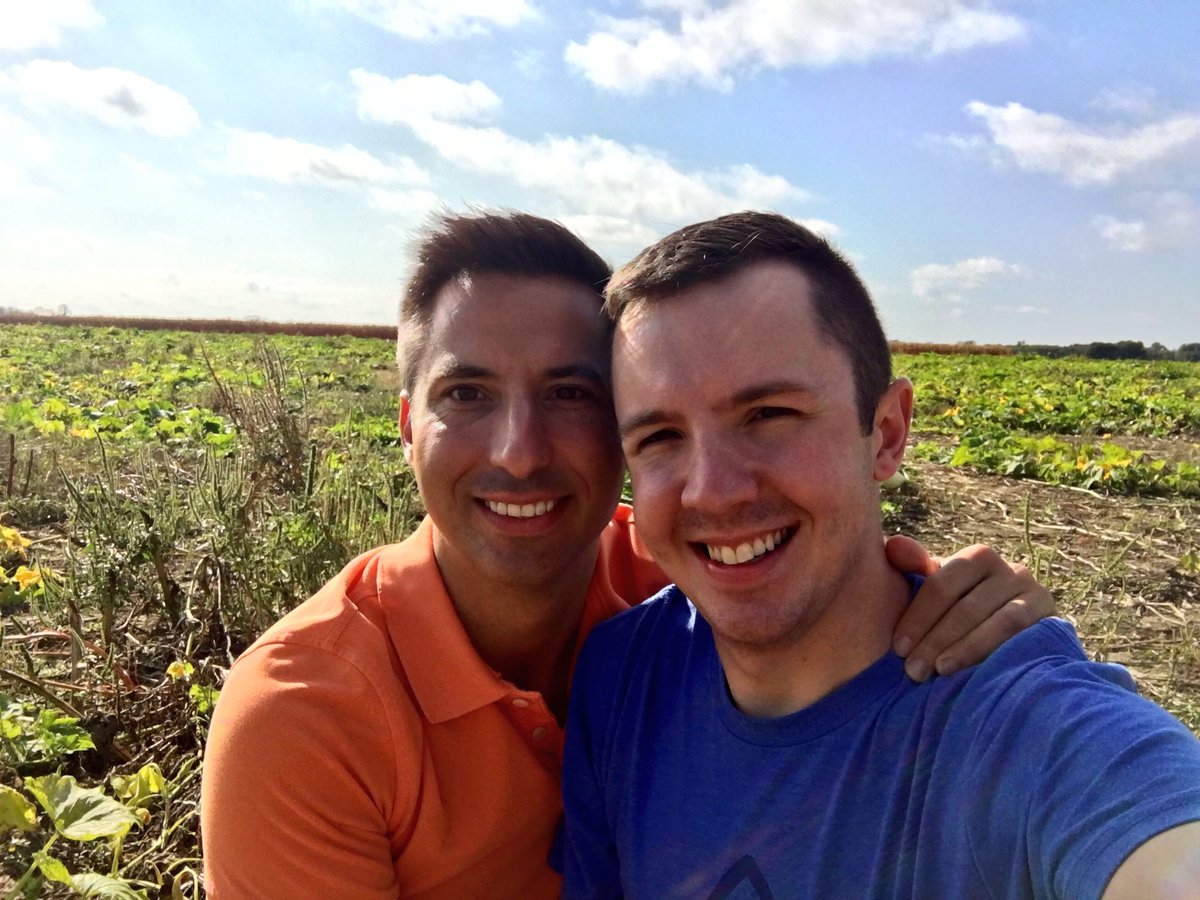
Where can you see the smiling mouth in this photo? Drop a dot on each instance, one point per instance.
(748, 551)
(521, 510)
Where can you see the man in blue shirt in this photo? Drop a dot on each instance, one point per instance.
(750, 733)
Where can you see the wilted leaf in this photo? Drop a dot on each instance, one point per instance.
(89, 884)
(135, 789)
(81, 814)
(16, 813)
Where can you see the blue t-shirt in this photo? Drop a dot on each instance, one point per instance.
(1033, 774)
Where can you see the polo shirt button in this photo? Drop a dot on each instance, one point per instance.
(520, 702)
(539, 732)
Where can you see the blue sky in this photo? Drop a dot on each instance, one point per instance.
(1004, 171)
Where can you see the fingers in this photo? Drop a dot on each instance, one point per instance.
(909, 555)
(965, 610)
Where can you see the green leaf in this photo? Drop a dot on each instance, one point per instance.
(16, 813)
(81, 814)
(204, 698)
(52, 868)
(61, 734)
(89, 884)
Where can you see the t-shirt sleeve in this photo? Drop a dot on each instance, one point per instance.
(300, 777)
(1075, 771)
(590, 866)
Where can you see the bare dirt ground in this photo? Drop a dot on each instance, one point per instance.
(1118, 566)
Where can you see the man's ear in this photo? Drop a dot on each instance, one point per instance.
(893, 416)
(406, 426)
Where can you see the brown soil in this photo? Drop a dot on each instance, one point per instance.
(1117, 565)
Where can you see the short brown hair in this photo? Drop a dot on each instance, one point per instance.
(455, 246)
(718, 248)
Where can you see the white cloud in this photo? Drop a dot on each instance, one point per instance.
(618, 231)
(1044, 142)
(715, 41)
(952, 282)
(415, 99)
(599, 184)
(1169, 220)
(23, 151)
(437, 19)
(1132, 100)
(289, 161)
(411, 204)
(26, 24)
(1128, 236)
(826, 229)
(530, 63)
(148, 172)
(114, 96)
(1025, 309)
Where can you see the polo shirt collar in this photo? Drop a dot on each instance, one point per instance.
(447, 675)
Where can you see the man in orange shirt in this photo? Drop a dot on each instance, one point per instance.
(400, 733)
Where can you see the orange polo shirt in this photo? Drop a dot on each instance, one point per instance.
(362, 749)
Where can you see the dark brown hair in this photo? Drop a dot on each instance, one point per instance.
(509, 243)
(718, 248)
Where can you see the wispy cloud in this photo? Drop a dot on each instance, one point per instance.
(114, 96)
(1025, 309)
(27, 25)
(1136, 100)
(411, 204)
(23, 152)
(1168, 220)
(288, 161)
(597, 183)
(1079, 154)
(711, 42)
(951, 282)
(426, 20)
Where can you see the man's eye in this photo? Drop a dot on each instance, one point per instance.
(464, 393)
(570, 392)
(773, 412)
(662, 436)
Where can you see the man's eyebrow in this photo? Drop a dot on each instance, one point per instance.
(577, 370)
(455, 369)
(756, 392)
(641, 420)
(746, 395)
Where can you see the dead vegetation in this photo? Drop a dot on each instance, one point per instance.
(1123, 568)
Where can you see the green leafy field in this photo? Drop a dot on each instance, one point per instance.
(165, 496)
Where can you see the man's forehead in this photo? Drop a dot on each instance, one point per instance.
(487, 284)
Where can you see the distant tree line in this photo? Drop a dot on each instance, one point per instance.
(1113, 350)
(61, 316)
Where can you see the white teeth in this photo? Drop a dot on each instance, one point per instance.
(521, 511)
(742, 553)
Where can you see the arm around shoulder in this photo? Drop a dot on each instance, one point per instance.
(299, 781)
(1166, 867)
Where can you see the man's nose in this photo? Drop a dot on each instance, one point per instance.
(521, 443)
(718, 476)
